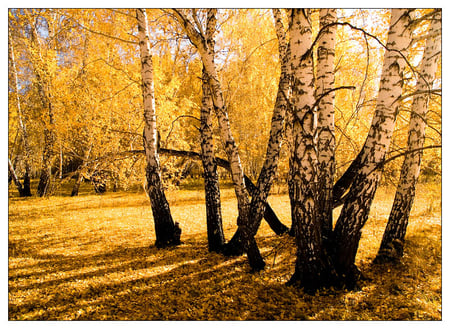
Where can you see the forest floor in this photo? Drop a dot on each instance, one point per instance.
(92, 257)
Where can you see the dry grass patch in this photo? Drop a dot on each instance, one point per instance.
(92, 257)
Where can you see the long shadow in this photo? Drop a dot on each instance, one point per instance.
(189, 283)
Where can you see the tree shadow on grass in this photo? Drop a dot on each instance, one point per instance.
(189, 283)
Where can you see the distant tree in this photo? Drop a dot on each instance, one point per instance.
(167, 231)
(392, 245)
(42, 69)
(25, 189)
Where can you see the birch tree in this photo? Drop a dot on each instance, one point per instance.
(311, 269)
(216, 238)
(355, 211)
(197, 38)
(167, 231)
(391, 248)
(25, 189)
(42, 71)
(325, 120)
(266, 176)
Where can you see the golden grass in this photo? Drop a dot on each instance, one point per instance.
(92, 257)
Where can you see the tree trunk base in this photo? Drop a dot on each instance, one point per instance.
(350, 278)
(234, 247)
(170, 240)
(255, 259)
(26, 186)
(310, 282)
(391, 253)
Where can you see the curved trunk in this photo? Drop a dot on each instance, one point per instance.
(206, 52)
(268, 170)
(391, 248)
(355, 211)
(167, 232)
(216, 238)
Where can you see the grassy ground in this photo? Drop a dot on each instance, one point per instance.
(92, 257)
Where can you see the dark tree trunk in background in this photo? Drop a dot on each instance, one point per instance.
(76, 185)
(46, 168)
(15, 179)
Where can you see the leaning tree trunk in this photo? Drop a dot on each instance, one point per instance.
(237, 174)
(216, 238)
(167, 232)
(355, 211)
(26, 188)
(269, 215)
(268, 170)
(311, 269)
(391, 248)
(325, 121)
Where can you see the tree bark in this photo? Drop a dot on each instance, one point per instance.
(167, 232)
(311, 269)
(391, 249)
(355, 211)
(216, 237)
(325, 122)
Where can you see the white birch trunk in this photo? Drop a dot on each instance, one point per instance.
(394, 236)
(207, 55)
(310, 268)
(216, 238)
(43, 85)
(325, 123)
(266, 176)
(167, 232)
